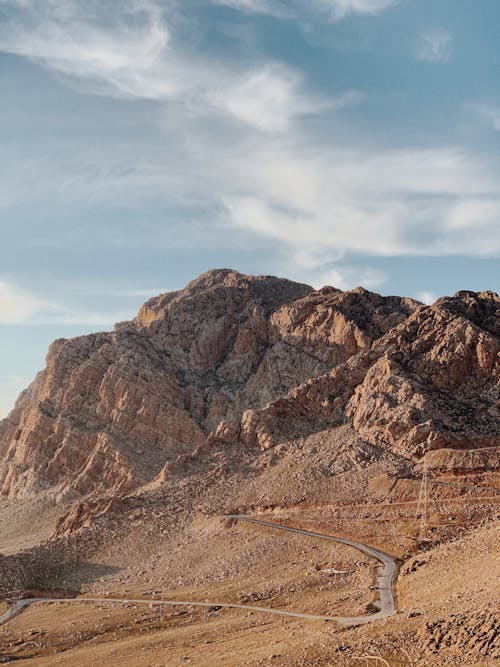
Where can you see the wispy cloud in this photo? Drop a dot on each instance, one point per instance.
(268, 7)
(435, 46)
(60, 36)
(264, 175)
(346, 277)
(328, 203)
(18, 306)
(316, 202)
(134, 56)
(335, 9)
(269, 99)
(341, 8)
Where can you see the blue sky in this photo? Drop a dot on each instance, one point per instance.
(338, 142)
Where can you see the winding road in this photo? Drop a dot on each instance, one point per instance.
(385, 584)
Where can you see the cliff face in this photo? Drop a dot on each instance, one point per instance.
(111, 409)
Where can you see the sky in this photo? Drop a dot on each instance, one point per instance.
(341, 142)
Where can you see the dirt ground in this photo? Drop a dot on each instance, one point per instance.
(446, 588)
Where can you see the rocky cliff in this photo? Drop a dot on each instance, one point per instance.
(255, 359)
(431, 381)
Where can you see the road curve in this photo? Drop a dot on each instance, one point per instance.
(385, 578)
(16, 608)
(385, 581)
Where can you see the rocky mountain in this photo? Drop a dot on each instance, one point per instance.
(256, 360)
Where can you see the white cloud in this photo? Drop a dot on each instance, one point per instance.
(435, 46)
(60, 36)
(324, 202)
(312, 198)
(426, 297)
(267, 98)
(269, 7)
(336, 9)
(473, 222)
(347, 277)
(16, 305)
(134, 56)
(341, 8)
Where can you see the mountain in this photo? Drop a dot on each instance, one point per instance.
(372, 418)
(111, 409)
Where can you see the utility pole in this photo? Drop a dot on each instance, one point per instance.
(422, 502)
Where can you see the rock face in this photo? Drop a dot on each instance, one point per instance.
(430, 382)
(255, 359)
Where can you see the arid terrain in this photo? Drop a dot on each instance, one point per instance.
(348, 414)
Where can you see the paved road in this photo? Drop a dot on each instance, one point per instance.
(385, 578)
(385, 581)
(16, 608)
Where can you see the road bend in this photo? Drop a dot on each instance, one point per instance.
(385, 585)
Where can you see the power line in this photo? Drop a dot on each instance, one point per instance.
(422, 502)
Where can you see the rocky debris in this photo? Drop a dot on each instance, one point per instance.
(112, 411)
(483, 308)
(467, 636)
(85, 512)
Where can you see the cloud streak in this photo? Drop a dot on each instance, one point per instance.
(334, 9)
(17, 306)
(268, 7)
(339, 9)
(315, 202)
(327, 202)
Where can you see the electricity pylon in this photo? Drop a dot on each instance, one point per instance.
(422, 502)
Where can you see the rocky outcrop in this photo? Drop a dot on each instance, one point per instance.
(430, 382)
(86, 512)
(112, 411)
